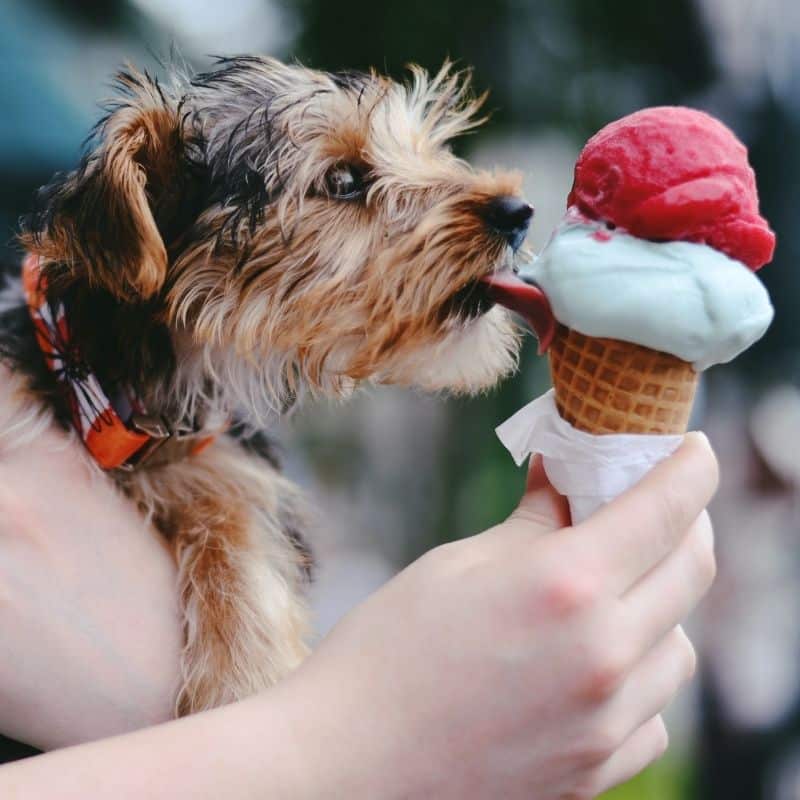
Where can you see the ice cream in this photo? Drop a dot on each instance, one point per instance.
(683, 298)
(662, 216)
(649, 280)
(674, 174)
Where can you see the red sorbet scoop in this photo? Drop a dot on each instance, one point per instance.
(673, 173)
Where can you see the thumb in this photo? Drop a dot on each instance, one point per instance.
(541, 503)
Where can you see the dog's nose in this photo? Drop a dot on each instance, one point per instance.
(509, 216)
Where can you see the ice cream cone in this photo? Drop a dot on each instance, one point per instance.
(608, 386)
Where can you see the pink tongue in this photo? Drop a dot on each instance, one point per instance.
(528, 301)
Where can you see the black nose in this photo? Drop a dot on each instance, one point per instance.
(510, 217)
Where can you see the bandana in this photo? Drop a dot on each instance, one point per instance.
(117, 430)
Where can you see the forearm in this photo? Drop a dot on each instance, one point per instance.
(90, 634)
(117, 661)
(246, 750)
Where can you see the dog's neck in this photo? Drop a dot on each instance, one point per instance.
(214, 382)
(113, 411)
(188, 383)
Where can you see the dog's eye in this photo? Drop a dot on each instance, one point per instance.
(345, 182)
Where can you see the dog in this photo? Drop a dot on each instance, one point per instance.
(232, 243)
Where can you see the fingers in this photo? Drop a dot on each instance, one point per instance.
(653, 683)
(640, 528)
(632, 714)
(542, 504)
(537, 478)
(644, 746)
(671, 590)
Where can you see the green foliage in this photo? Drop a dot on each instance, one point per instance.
(666, 780)
(576, 63)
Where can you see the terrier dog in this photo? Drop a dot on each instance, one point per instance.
(229, 244)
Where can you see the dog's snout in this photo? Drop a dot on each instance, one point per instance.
(509, 216)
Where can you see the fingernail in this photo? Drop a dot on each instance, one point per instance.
(698, 436)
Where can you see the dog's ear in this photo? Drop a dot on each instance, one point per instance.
(100, 223)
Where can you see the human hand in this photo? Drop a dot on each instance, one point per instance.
(531, 661)
(89, 630)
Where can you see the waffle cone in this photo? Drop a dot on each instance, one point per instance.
(609, 386)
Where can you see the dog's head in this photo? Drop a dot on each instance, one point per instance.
(294, 228)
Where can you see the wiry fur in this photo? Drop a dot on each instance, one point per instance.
(238, 573)
(204, 259)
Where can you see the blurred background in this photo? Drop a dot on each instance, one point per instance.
(393, 473)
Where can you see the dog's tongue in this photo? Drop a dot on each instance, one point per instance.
(528, 300)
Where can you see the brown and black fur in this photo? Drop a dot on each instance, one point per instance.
(231, 243)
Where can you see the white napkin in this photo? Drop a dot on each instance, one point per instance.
(590, 470)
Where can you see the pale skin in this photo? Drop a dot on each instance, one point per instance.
(531, 661)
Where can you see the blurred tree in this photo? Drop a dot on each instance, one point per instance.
(777, 164)
(363, 34)
(571, 62)
(103, 15)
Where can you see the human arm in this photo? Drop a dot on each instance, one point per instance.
(529, 661)
(89, 629)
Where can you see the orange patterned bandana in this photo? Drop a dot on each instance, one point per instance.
(117, 432)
